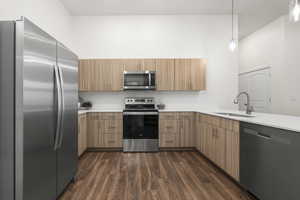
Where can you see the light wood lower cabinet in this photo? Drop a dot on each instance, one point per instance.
(176, 129)
(105, 130)
(82, 134)
(186, 129)
(218, 139)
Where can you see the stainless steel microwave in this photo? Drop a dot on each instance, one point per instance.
(144, 80)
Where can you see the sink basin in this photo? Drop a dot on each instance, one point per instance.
(234, 114)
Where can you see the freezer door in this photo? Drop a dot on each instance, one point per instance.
(39, 157)
(67, 158)
(7, 58)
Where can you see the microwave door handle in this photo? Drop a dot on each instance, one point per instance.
(58, 116)
(150, 81)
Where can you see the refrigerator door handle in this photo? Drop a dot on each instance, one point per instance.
(59, 107)
(62, 106)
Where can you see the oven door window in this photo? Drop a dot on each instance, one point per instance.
(136, 80)
(140, 126)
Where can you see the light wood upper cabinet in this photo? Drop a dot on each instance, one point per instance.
(133, 64)
(101, 75)
(190, 74)
(165, 74)
(149, 64)
(171, 74)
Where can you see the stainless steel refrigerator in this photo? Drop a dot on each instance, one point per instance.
(38, 113)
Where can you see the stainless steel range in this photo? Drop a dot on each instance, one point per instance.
(140, 125)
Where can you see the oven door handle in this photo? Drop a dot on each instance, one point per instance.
(140, 113)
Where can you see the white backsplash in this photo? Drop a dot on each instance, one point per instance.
(172, 100)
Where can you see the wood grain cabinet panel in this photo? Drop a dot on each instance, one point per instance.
(171, 74)
(105, 130)
(190, 74)
(219, 147)
(93, 130)
(168, 130)
(149, 64)
(133, 64)
(101, 75)
(233, 152)
(186, 129)
(82, 134)
(165, 74)
(219, 141)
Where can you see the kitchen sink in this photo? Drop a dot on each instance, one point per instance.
(234, 114)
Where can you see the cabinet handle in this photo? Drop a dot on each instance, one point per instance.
(112, 127)
(111, 142)
(169, 141)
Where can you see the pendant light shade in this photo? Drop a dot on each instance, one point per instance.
(232, 43)
(294, 10)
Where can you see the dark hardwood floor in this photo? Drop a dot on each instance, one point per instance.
(147, 176)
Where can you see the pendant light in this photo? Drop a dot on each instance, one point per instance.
(294, 10)
(232, 44)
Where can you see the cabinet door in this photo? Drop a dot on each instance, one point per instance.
(133, 64)
(219, 147)
(198, 131)
(149, 64)
(93, 130)
(116, 74)
(233, 153)
(84, 75)
(198, 74)
(84, 137)
(165, 72)
(190, 74)
(186, 131)
(183, 74)
(80, 128)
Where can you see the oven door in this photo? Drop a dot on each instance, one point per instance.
(140, 131)
(139, 80)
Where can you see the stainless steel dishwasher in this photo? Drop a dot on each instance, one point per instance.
(270, 162)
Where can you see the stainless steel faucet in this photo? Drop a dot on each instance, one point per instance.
(249, 108)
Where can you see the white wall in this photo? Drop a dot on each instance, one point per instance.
(199, 36)
(11, 9)
(276, 45)
(50, 15)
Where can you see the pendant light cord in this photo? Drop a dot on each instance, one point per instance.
(232, 8)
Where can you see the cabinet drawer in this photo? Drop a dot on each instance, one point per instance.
(94, 116)
(111, 126)
(185, 115)
(168, 126)
(168, 140)
(111, 116)
(168, 116)
(112, 140)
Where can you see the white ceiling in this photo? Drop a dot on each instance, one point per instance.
(253, 14)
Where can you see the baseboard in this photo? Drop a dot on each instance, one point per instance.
(176, 149)
(118, 149)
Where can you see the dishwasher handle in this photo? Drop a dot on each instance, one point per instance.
(256, 133)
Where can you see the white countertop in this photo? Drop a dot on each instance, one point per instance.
(286, 122)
